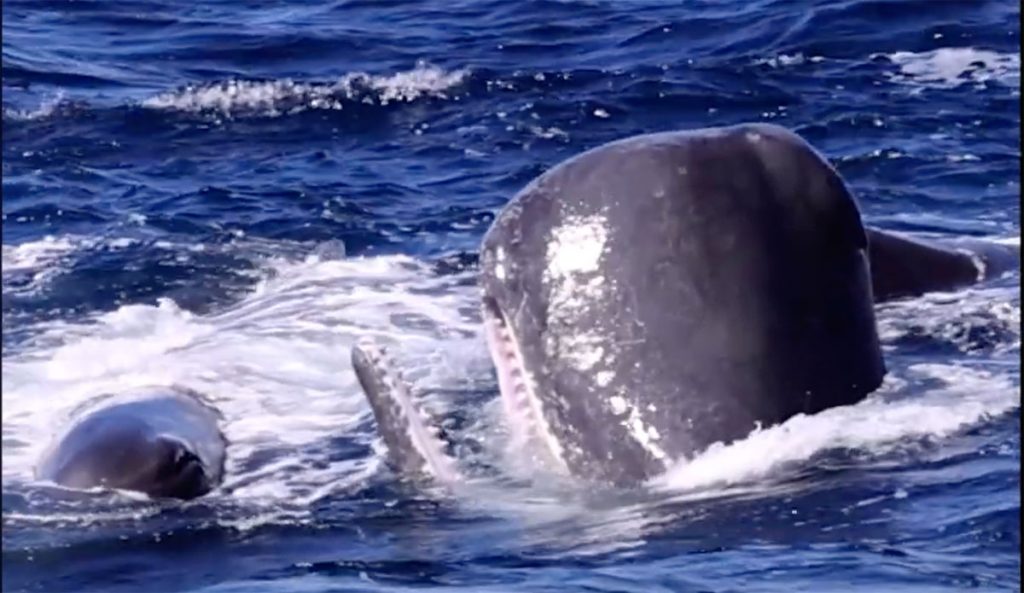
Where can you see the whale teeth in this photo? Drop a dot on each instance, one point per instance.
(408, 428)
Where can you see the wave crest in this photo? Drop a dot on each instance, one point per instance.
(277, 97)
(950, 67)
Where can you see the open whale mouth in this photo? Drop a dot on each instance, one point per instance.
(523, 409)
(182, 474)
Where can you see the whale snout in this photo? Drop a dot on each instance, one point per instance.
(164, 445)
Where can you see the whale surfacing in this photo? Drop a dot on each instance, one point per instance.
(164, 442)
(666, 292)
(658, 294)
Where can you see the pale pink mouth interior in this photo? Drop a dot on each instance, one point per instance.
(523, 409)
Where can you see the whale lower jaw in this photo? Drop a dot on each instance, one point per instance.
(524, 412)
(411, 436)
(414, 446)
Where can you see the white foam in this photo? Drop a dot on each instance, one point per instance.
(783, 60)
(920, 401)
(967, 396)
(274, 97)
(44, 110)
(276, 365)
(30, 266)
(956, 317)
(549, 133)
(37, 254)
(953, 66)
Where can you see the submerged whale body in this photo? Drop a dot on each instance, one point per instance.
(164, 442)
(664, 292)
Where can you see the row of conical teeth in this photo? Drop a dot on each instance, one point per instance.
(516, 373)
(523, 400)
(390, 373)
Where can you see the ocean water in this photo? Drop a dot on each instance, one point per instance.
(226, 194)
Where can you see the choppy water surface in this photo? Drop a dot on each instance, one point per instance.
(226, 194)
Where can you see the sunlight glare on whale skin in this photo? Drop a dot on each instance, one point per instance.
(573, 276)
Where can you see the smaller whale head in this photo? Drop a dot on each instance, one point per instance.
(116, 452)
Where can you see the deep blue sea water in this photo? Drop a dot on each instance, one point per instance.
(227, 193)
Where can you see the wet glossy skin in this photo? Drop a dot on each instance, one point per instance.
(162, 443)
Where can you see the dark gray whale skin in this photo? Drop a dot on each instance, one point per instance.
(163, 442)
(903, 266)
(661, 293)
(731, 289)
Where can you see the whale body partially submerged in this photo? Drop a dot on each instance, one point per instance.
(661, 293)
(164, 442)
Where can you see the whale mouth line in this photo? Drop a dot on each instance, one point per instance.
(524, 411)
